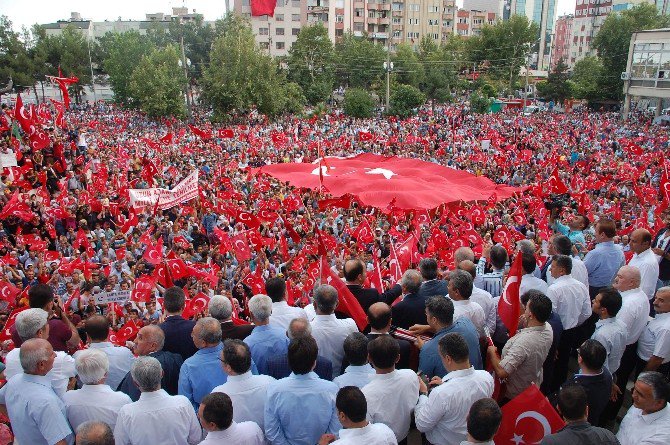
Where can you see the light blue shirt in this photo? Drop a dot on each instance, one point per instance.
(120, 361)
(264, 342)
(299, 409)
(430, 362)
(355, 376)
(37, 415)
(612, 334)
(201, 373)
(576, 236)
(602, 263)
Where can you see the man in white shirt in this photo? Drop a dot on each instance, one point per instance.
(120, 357)
(653, 348)
(529, 280)
(282, 313)
(216, 414)
(610, 331)
(460, 290)
(33, 323)
(356, 430)
(329, 331)
(561, 245)
(442, 415)
(391, 394)
(156, 417)
(247, 391)
(359, 372)
(645, 260)
(480, 296)
(95, 400)
(648, 420)
(570, 299)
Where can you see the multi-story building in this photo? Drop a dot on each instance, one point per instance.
(470, 22)
(562, 41)
(663, 6)
(495, 6)
(542, 12)
(623, 5)
(589, 17)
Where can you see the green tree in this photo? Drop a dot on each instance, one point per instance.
(505, 46)
(310, 63)
(586, 75)
(479, 103)
(407, 69)
(404, 99)
(240, 75)
(360, 62)
(294, 100)
(15, 57)
(157, 83)
(440, 72)
(120, 52)
(558, 87)
(358, 103)
(613, 40)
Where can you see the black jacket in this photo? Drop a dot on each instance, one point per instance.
(231, 330)
(431, 288)
(368, 296)
(171, 364)
(279, 368)
(410, 311)
(581, 433)
(598, 389)
(178, 339)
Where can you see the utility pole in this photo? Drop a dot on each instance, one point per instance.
(389, 67)
(185, 66)
(90, 63)
(525, 91)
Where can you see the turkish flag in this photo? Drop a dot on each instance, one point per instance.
(363, 232)
(247, 219)
(527, 418)
(75, 294)
(8, 292)
(226, 134)
(199, 303)
(6, 333)
(348, 304)
(394, 265)
(162, 275)
(263, 7)
(154, 253)
(127, 333)
(144, 286)
(509, 304)
(378, 181)
(205, 135)
(364, 136)
(241, 247)
(255, 281)
(178, 268)
(556, 184)
(167, 139)
(343, 202)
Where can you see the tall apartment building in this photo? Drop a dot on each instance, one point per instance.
(562, 41)
(470, 22)
(542, 12)
(589, 17)
(495, 6)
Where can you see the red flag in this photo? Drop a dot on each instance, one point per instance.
(127, 333)
(167, 139)
(343, 202)
(203, 134)
(8, 292)
(162, 275)
(556, 185)
(241, 247)
(348, 304)
(263, 7)
(364, 136)
(291, 232)
(144, 286)
(528, 418)
(6, 333)
(394, 265)
(178, 268)
(75, 294)
(509, 304)
(255, 281)
(154, 253)
(226, 134)
(199, 303)
(363, 232)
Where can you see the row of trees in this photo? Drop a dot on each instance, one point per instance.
(230, 72)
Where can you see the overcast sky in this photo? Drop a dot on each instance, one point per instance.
(29, 12)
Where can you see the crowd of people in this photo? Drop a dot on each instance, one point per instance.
(220, 343)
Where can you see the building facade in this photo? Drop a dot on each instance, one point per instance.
(589, 17)
(562, 41)
(647, 72)
(543, 13)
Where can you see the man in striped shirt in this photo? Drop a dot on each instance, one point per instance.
(491, 282)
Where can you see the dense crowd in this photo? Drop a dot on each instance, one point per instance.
(217, 342)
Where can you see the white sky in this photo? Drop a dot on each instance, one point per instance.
(29, 12)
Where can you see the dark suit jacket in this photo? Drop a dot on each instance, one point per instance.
(178, 336)
(171, 364)
(278, 367)
(581, 433)
(432, 287)
(405, 348)
(598, 389)
(230, 330)
(410, 311)
(368, 296)
(664, 265)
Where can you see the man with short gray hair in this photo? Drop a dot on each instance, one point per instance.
(265, 340)
(410, 310)
(329, 331)
(36, 413)
(648, 420)
(95, 400)
(460, 290)
(33, 323)
(94, 433)
(156, 417)
(221, 308)
(202, 372)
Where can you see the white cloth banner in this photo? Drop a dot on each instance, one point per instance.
(119, 296)
(186, 190)
(8, 159)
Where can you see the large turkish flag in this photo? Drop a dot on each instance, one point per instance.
(263, 7)
(379, 181)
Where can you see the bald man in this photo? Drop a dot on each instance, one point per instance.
(645, 260)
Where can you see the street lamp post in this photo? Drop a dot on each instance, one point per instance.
(388, 66)
(185, 64)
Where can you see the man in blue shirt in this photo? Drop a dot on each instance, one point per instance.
(604, 261)
(36, 413)
(440, 314)
(264, 341)
(573, 230)
(300, 408)
(202, 372)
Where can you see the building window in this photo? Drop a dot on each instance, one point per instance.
(398, 6)
(397, 34)
(358, 27)
(414, 7)
(264, 45)
(358, 12)
(433, 9)
(246, 3)
(295, 31)
(339, 32)
(412, 21)
(279, 31)
(371, 13)
(435, 36)
(279, 17)
(280, 45)
(397, 21)
(339, 18)
(263, 31)
(295, 17)
(295, 4)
